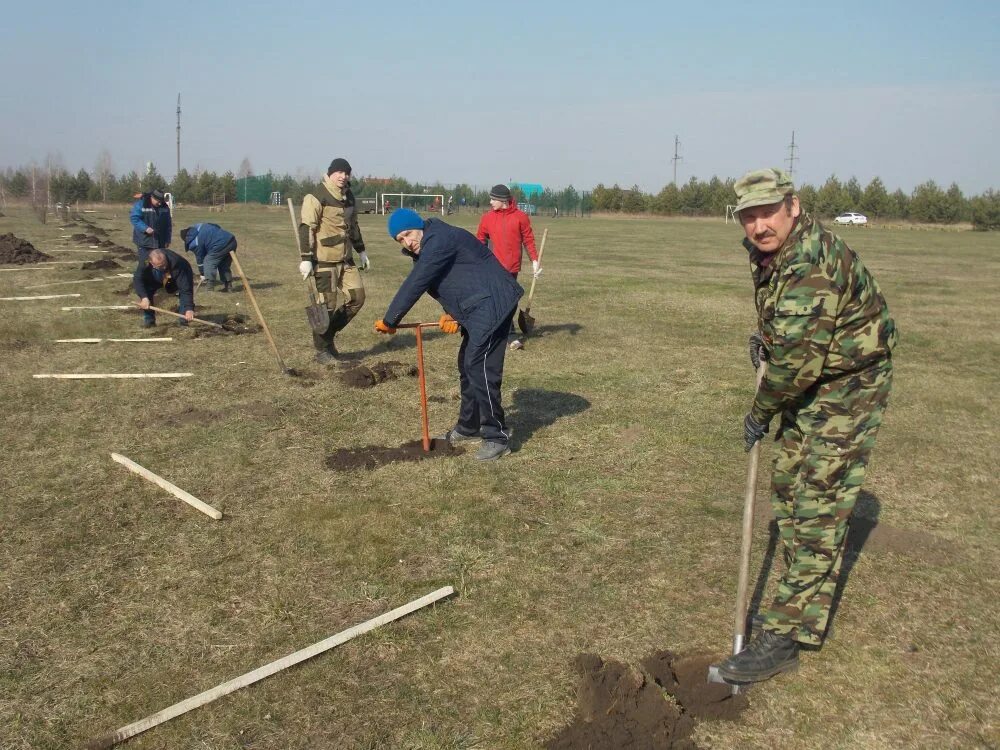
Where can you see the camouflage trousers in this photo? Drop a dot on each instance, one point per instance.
(340, 283)
(823, 452)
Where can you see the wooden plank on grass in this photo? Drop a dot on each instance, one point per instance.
(111, 375)
(117, 341)
(37, 296)
(97, 307)
(173, 489)
(131, 730)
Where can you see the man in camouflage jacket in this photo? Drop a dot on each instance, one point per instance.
(825, 332)
(329, 235)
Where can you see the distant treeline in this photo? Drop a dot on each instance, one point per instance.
(927, 203)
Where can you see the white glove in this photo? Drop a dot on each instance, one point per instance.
(536, 269)
(363, 263)
(305, 268)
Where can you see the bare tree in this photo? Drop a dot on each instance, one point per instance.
(245, 170)
(103, 170)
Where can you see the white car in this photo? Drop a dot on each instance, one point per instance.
(851, 218)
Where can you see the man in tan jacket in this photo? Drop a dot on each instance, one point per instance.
(329, 235)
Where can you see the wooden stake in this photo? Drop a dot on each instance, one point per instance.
(112, 375)
(38, 296)
(256, 309)
(131, 730)
(173, 489)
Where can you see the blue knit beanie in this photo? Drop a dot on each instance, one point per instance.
(402, 219)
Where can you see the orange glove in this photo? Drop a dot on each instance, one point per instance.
(381, 327)
(448, 324)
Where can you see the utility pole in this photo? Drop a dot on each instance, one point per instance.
(677, 157)
(178, 133)
(792, 158)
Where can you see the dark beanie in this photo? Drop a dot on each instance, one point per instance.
(339, 165)
(158, 194)
(500, 192)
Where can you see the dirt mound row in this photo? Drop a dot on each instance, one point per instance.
(371, 457)
(232, 325)
(15, 250)
(622, 708)
(366, 376)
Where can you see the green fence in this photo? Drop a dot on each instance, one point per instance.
(254, 189)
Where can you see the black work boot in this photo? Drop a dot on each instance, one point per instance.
(767, 655)
(326, 352)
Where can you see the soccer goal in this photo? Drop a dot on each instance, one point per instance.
(731, 212)
(429, 202)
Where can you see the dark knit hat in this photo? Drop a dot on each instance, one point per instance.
(339, 165)
(402, 219)
(158, 194)
(500, 192)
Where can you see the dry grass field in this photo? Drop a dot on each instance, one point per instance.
(612, 529)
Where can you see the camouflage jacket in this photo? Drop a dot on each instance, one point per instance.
(820, 312)
(329, 230)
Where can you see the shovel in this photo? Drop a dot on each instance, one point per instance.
(524, 320)
(317, 314)
(260, 315)
(178, 315)
(743, 580)
(425, 434)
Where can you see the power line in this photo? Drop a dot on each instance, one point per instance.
(677, 157)
(178, 132)
(792, 158)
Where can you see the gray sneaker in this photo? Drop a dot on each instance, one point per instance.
(454, 437)
(491, 451)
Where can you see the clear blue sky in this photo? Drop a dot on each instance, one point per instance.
(558, 93)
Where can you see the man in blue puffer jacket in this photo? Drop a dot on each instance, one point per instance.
(211, 245)
(477, 294)
(151, 224)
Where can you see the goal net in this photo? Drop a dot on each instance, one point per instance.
(426, 202)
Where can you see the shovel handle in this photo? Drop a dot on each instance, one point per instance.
(541, 249)
(749, 500)
(178, 315)
(425, 435)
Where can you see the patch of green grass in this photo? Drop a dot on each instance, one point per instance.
(614, 526)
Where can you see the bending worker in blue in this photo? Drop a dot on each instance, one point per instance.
(164, 269)
(151, 223)
(211, 245)
(477, 294)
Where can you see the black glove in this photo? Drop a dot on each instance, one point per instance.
(758, 353)
(752, 432)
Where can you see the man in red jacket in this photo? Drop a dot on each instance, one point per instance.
(505, 229)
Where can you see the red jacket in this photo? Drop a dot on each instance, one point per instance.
(507, 230)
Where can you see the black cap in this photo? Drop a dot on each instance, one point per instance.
(500, 192)
(158, 194)
(339, 165)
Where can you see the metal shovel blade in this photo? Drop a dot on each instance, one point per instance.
(715, 677)
(319, 317)
(525, 322)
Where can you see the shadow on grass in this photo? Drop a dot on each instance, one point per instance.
(534, 408)
(864, 519)
(405, 339)
(544, 330)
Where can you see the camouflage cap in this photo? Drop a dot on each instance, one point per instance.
(762, 187)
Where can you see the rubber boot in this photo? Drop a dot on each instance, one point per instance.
(326, 352)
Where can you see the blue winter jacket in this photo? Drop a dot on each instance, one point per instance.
(145, 214)
(208, 239)
(178, 278)
(463, 275)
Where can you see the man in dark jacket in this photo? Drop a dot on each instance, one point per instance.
(151, 224)
(164, 269)
(477, 293)
(211, 245)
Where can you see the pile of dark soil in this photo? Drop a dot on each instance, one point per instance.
(78, 236)
(621, 708)
(365, 376)
(371, 457)
(15, 250)
(102, 263)
(86, 239)
(233, 325)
